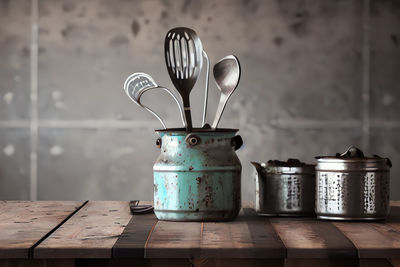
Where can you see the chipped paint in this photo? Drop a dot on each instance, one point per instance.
(197, 182)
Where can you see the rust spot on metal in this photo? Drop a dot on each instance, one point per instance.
(198, 179)
(190, 168)
(158, 142)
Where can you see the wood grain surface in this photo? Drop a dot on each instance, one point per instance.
(375, 239)
(106, 230)
(309, 238)
(131, 243)
(174, 240)
(24, 223)
(249, 236)
(90, 233)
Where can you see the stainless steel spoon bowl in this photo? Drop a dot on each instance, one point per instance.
(227, 75)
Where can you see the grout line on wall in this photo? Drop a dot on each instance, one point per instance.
(314, 124)
(96, 124)
(15, 124)
(366, 75)
(34, 98)
(109, 124)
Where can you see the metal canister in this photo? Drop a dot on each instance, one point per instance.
(197, 176)
(352, 187)
(285, 188)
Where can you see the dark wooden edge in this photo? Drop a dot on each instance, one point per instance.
(132, 241)
(14, 253)
(164, 262)
(32, 249)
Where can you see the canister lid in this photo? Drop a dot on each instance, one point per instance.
(291, 166)
(352, 159)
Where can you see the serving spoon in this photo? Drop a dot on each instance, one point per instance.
(227, 75)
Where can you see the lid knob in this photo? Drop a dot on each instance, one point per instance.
(352, 152)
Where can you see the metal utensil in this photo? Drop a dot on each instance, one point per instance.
(184, 59)
(138, 83)
(227, 76)
(139, 209)
(203, 122)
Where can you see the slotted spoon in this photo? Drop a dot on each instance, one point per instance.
(184, 59)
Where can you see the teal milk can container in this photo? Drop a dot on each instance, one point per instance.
(197, 175)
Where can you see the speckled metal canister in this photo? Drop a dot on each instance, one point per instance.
(352, 187)
(285, 190)
(197, 176)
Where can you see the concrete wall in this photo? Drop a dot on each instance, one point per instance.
(317, 77)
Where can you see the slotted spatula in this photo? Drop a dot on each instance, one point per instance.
(138, 83)
(184, 59)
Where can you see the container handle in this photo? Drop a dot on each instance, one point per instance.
(352, 152)
(388, 162)
(237, 142)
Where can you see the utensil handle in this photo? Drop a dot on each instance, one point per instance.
(188, 116)
(220, 110)
(155, 115)
(206, 90)
(177, 102)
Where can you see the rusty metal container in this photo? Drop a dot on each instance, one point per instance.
(285, 188)
(352, 187)
(197, 176)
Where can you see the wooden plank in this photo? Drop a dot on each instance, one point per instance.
(309, 238)
(222, 262)
(395, 203)
(24, 223)
(90, 233)
(174, 240)
(321, 262)
(375, 239)
(132, 262)
(249, 236)
(133, 240)
(395, 262)
(375, 263)
(37, 263)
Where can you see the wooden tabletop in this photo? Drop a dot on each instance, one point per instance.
(107, 230)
